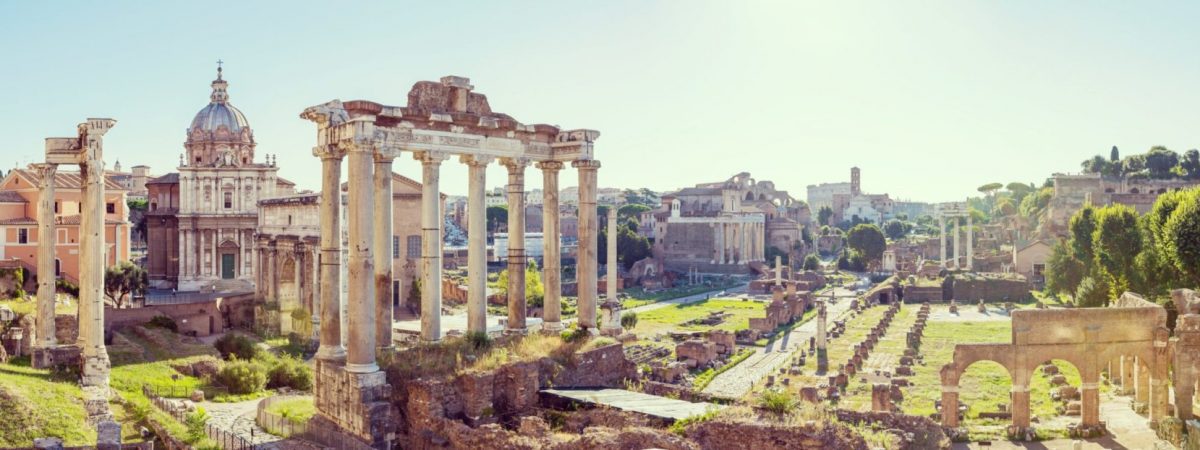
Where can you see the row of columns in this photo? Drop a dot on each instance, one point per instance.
(738, 242)
(970, 254)
(90, 339)
(371, 321)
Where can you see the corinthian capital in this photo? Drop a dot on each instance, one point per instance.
(328, 152)
(433, 158)
(549, 166)
(514, 163)
(586, 164)
(45, 173)
(326, 114)
(476, 160)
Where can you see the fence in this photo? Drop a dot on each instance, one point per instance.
(225, 439)
(173, 391)
(277, 424)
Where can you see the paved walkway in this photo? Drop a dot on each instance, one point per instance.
(650, 405)
(239, 419)
(738, 380)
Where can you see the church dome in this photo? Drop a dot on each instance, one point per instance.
(215, 115)
(219, 112)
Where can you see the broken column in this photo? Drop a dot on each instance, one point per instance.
(91, 250)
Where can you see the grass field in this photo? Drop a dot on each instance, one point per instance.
(675, 317)
(639, 296)
(34, 404)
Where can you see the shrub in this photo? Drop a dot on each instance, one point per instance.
(164, 322)
(290, 372)
(575, 334)
(243, 377)
(235, 345)
(195, 426)
(777, 401)
(479, 339)
(629, 320)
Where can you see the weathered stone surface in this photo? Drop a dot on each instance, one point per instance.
(724, 435)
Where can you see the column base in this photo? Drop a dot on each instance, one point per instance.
(611, 331)
(96, 369)
(515, 331)
(335, 353)
(353, 405)
(552, 327)
(56, 358)
(362, 368)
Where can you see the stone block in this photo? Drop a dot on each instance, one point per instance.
(108, 435)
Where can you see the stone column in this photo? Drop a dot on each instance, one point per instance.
(822, 355)
(1127, 382)
(950, 406)
(431, 246)
(970, 245)
(1160, 383)
(330, 300)
(46, 253)
(383, 248)
(360, 349)
(942, 238)
(91, 270)
(1090, 401)
(1020, 406)
(716, 241)
(612, 326)
(586, 265)
(552, 264)
(957, 247)
(721, 233)
(778, 270)
(1142, 375)
(477, 244)
(516, 245)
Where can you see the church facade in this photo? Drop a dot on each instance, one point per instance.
(212, 203)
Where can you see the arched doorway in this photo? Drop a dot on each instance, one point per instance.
(289, 295)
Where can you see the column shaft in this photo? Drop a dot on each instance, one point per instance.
(610, 288)
(516, 245)
(383, 250)
(476, 246)
(91, 273)
(551, 258)
(360, 349)
(970, 246)
(942, 239)
(950, 407)
(330, 325)
(586, 264)
(431, 246)
(957, 247)
(45, 262)
(1020, 406)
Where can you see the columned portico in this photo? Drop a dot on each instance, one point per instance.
(360, 350)
(431, 245)
(586, 266)
(477, 245)
(551, 255)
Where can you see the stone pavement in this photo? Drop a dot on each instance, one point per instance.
(651, 405)
(738, 380)
(238, 418)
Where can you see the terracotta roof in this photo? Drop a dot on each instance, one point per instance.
(281, 180)
(11, 197)
(18, 221)
(74, 220)
(66, 180)
(170, 178)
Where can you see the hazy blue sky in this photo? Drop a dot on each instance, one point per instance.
(930, 99)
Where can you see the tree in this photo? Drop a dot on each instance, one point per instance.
(895, 229)
(990, 188)
(852, 260)
(824, 214)
(1116, 242)
(1160, 161)
(124, 279)
(1096, 164)
(1190, 164)
(496, 215)
(774, 251)
(631, 211)
(811, 262)
(137, 216)
(1063, 271)
(631, 247)
(868, 240)
(1082, 226)
(1114, 155)
(1156, 221)
(1092, 293)
(1182, 233)
(1019, 191)
(1004, 208)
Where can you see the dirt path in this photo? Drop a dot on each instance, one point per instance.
(738, 380)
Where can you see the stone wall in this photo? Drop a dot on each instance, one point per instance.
(989, 289)
(919, 294)
(725, 435)
(925, 432)
(201, 318)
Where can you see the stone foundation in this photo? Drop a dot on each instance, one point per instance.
(63, 358)
(352, 408)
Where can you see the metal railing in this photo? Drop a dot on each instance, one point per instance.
(227, 440)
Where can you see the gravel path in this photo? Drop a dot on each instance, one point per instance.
(238, 418)
(738, 380)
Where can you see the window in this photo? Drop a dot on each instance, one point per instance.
(414, 246)
(56, 207)
(22, 235)
(110, 208)
(154, 206)
(395, 246)
(228, 200)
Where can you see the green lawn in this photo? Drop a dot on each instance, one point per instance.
(33, 404)
(23, 307)
(297, 410)
(639, 296)
(675, 317)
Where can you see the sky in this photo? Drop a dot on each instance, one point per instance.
(930, 99)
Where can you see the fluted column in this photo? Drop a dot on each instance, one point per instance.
(957, 247)
(476, 244)
(383, 248)
(613, 323)
(431, 245)
(970, 246)
(551, 259)
(586, 265)
(716, 241)
(721, 245)
(46, 245)
(360, 349)
(330, 324)
(516, 244)
(91, 272)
